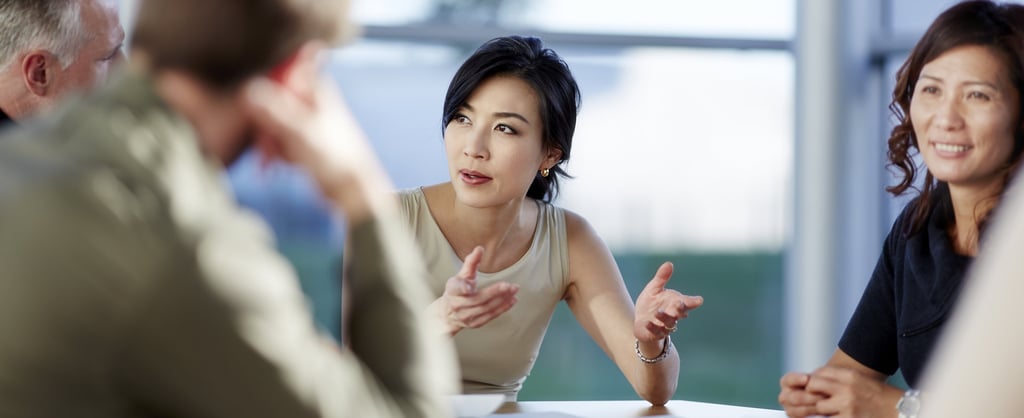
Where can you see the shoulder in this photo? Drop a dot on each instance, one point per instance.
(94, 218)
(415, 202)
(409, 199)
(903, 225)
(582, 239)
(576, 226)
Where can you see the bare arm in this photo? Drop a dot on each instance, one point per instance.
(598, 298)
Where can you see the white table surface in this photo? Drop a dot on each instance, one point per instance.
(619, 409)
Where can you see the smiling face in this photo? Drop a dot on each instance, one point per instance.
(965, 111)
(494, 143)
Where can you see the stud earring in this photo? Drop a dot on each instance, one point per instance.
(545, 172)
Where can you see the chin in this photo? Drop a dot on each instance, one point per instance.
(473, 198)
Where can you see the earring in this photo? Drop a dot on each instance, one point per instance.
(545, 172)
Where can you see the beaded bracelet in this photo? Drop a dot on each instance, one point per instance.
(664, 351)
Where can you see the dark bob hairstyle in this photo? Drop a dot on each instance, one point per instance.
(527, 59)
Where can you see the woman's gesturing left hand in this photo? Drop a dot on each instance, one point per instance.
(658, 309)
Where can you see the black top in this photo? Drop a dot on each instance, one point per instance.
(910, 295)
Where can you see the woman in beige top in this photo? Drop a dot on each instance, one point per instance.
(501, 256)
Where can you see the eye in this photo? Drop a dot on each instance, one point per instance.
(113, 54)
(930, 90)
(977, 95)
(460, 119)
(503, 128)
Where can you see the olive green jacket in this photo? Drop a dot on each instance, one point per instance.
(132, 285)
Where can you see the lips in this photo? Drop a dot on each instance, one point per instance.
(473, 177)
(950, 149)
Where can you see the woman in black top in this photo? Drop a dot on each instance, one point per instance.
(958, 102)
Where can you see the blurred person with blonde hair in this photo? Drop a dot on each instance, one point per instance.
(133, 285)
(978, 370)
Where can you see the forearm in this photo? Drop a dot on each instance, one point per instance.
(362, 197)
(388, 294)
(655, 382)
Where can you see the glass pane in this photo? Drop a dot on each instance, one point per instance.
(680, 155)
(891, 65)
(911, 18)
(759, 19)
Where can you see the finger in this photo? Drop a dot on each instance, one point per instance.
(794, 380)
(498, 290)
(457, 286)
(802, 411)
(823, 385)
(302, 73)
(464, 282)
(274, 109)
(269, 149)
(791, 397)
(667, 320)
(838, 374)
(658, 331)
(675, 306)
(492, 313)
(693, 302)
(801, 398)
(486, 308)
(469, 266)
(478, 298)
(483, 297)
(660, 277)
(831, 406)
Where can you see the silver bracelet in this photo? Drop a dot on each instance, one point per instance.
(664, 351)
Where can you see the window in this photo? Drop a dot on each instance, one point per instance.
(680, 154)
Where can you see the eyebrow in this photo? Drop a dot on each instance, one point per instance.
(512, 115)
(969, 83)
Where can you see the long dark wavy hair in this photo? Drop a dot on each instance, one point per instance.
(997, 26)
(527, 59)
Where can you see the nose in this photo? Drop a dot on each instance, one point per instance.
(476, 145)
(948, 114)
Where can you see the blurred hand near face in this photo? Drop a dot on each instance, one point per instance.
(303, 120)
(463, 305)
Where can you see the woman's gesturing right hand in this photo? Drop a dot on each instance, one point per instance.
(464, 306)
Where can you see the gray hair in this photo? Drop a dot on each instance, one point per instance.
(52, 25)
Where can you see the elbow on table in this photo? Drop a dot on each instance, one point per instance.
(658, 395)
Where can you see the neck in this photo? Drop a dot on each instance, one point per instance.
(970, 204)
(15, 99)
(505, 231)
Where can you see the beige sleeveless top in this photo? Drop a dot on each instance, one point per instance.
(497, 357)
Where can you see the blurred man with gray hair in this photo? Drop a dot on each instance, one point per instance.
(49, 48)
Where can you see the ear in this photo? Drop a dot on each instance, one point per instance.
(299, 71)
(37, 71)
(554, 155)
